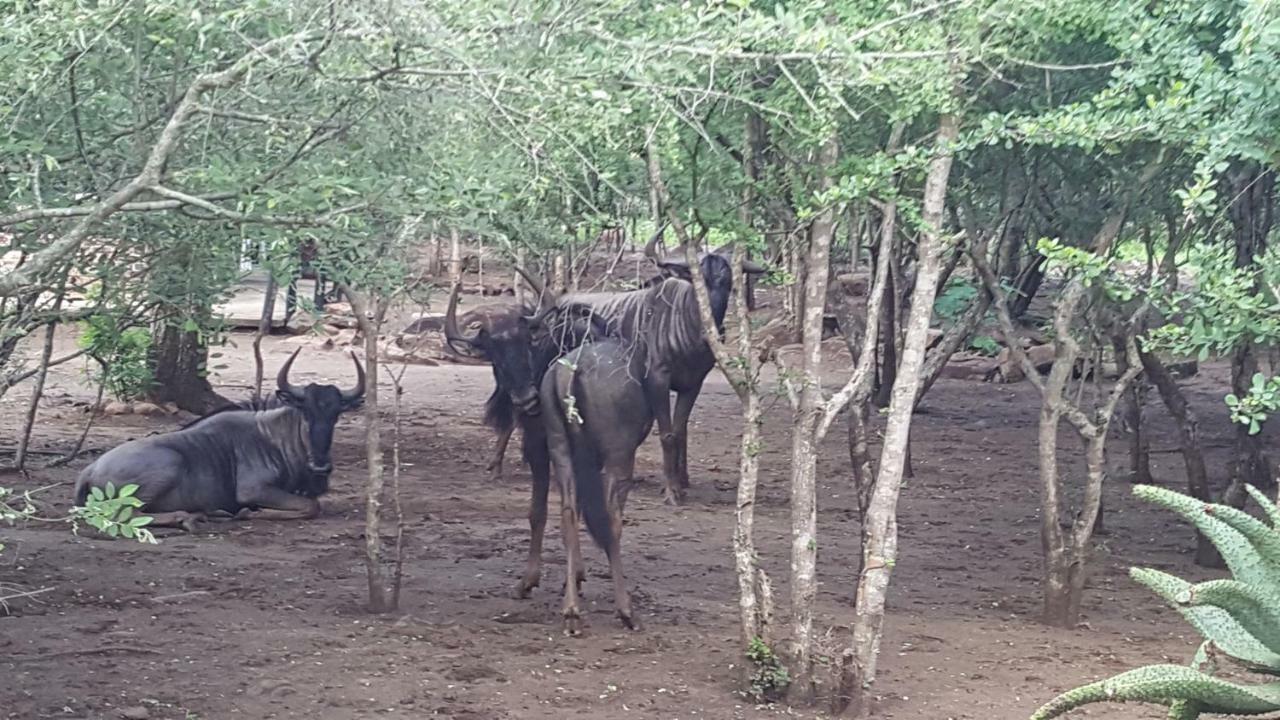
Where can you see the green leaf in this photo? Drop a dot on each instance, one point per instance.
(141, 521)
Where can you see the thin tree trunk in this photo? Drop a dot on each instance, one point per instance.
(1184, 417)
(518, 282)
(264, 329)
(37, 392)
(455, 257)
(368, 315)
(881, 546)
(807, 413)
(179, 362)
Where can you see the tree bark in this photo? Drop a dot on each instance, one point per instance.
(881, 547)
(368, 313)
(808, 410)
(179, 361)
(1252, 211)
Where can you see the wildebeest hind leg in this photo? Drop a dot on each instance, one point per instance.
(277, 504)
(659, 396)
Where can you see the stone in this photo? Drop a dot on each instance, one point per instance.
(146, 408)
(116, 407)
(135, 713)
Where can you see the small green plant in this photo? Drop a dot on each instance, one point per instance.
(15, 508)
(122, 355)
(115, 513)
(954, 300)
(985, 345)
(1262, 400)
(1239, 619)
(770, 679)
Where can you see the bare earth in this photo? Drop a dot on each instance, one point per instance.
(264, 619)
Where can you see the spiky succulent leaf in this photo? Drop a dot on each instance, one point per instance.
(1273, 513)
(1239, 553)
(1169, 685)
(1184, 710)
(1246, 605)
(1214, 623)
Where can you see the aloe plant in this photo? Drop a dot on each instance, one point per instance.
(1238, 618)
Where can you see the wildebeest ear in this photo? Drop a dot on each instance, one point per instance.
(288, 398)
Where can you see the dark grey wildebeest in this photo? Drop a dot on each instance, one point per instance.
(596, 415)
(664, 323)
(272, 456)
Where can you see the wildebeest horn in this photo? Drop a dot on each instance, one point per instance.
(282, 379)
(358, 391)
(452, 334)
(538, 288)
(651, 247)
(753, 267)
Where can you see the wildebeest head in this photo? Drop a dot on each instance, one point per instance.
(520, 346)
(507, 343)
(717, 272)
(320, 406)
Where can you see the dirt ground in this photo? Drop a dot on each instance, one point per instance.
(264, 619)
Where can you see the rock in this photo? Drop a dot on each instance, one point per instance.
(969, 368)
(338, 309)
(425, 324)
(170, 408)
(855, 284)
(1010, 371)
(146, 408)
(300, 323)
(115, 407)
(348, 336)
(135, 713)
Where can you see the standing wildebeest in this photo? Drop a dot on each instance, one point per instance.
(271, 455)
(503, 322)
(664, 322)
(596, 415)
(520, 349)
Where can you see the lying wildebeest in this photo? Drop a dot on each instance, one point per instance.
(520, 349)
(596, 414)
(272, 455)
(664, 321)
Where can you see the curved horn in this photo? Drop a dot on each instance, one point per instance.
(282, 378)
(358, 391)
(538, 288)
(651, 247)
(753, 267)
(452, 334)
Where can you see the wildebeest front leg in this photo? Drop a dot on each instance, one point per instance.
(499, 452)
(181, 518)
(539, 466)
(659, 395)
(277, 504)
(680, 428)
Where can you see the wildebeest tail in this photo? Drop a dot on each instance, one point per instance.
(499, 413)
(82, 488)
(588, 482)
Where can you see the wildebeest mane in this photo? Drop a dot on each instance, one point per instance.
(270, 402)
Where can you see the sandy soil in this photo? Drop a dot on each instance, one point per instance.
(268, 621)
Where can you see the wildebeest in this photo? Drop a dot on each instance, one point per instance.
(664, 322)
(596, 414)
(506, 323)
(520, 349)
(272, 455)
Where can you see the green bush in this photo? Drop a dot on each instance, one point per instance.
(122, 354)
(1239, 619)
(770, 679)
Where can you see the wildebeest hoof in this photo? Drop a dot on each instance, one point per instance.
(526, 586)
(674, 499)
(572, 625)
(629, 620)
(189, 522)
